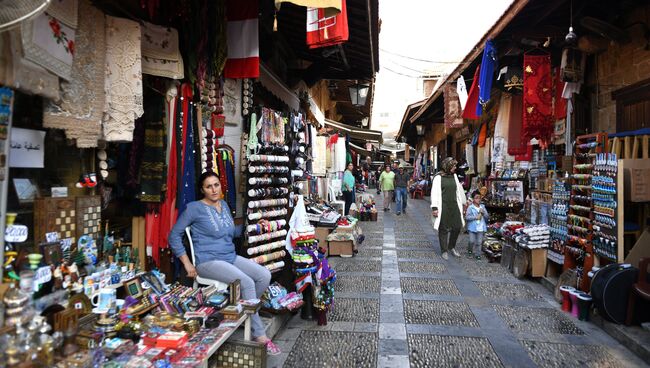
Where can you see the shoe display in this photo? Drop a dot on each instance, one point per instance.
(445, 256)
(455, 252)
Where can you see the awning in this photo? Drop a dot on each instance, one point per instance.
(366, 135)
(277, 88)
(360, 149)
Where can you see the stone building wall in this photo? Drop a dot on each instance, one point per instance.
(618, 67)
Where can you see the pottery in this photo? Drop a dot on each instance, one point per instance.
(10, 218)
(34, 260)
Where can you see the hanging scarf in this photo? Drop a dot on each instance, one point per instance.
(153, 170)
(488, 65)
(516, 143)
(472, 98)
(538, 95)
(188, 189)
(231, 194)
(252, 137)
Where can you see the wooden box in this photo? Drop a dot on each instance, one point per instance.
(537, 262)
(321, 236)
(239, 353)
(341, 248)
(71, 217)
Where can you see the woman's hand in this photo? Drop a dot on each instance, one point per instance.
(191, 270)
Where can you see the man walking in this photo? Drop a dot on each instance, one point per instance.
(387, 185)
(401, 185)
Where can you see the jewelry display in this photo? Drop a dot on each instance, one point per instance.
(604, 189)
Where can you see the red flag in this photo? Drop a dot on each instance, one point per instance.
(243, 39)
(302, 282)
(326, 31)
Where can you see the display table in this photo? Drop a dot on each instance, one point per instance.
(245, 319)
(343, 240)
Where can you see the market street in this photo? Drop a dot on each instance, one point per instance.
(398, 304)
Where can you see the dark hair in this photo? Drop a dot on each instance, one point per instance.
(206, 175)
(475, 193)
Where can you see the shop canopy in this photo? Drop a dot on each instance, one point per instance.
(366, 135)
(360, 150)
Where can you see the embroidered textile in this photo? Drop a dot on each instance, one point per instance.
(153, 170)
(472, 98)
(502, 129)
(453, 118)
(22, 74)
(123, 84)
(160, 53)
(49, 43)
(65, 11)
(538, 95)
(80, 109)
(488, 65)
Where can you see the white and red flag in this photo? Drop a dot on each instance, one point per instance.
(323, 30)
(243, 39)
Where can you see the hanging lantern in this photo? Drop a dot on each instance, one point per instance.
(358, 94)
(572, 66)
(420, 129)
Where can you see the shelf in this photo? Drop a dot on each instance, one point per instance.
(506, 179)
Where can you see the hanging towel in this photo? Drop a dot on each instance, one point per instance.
(538, 98)
(472, 98)
(488, 66)
(243, 39)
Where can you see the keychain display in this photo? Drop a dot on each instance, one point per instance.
(268, 192)
(605, 205)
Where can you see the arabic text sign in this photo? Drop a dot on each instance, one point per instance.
(27, 148)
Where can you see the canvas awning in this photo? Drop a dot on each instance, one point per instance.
(366, 135)
(360, 149)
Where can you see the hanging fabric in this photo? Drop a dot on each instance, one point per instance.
(559, 103)
(243, 39)
(501, 129)
(324, 30)
(330, 7)
(538, 98)
(452, 116)
(516, 143)
(472, 98)
(461, 90)
(483, 133)
(188, 191)
(153, 170)
(488, 66)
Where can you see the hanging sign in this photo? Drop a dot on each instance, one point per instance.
(27, 148)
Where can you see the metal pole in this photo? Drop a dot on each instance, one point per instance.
(4, 184)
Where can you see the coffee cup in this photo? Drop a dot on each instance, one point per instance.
(104, 299)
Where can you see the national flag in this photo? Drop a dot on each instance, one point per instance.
(323, 30)
(303, 281)
(243, 39)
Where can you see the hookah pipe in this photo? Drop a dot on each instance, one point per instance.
(8, 266)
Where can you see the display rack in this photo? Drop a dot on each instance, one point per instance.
(506, 195)
(558, 221)
(578, 250)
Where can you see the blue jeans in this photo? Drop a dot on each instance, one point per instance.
(400, 198)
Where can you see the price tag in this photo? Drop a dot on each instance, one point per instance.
(16, 233)
(52, 237)
(43, 275)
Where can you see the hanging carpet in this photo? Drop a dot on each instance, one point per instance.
(538, 98)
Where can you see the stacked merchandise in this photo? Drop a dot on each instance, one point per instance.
(219, 158)
(268, 190)
(322, 214)
(604, 201)
(533, 236)
(559, 220)
(312, 268)
(367, 208)
(492, 242)
(578, 248)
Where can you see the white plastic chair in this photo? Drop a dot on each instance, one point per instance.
(198, 279)
(336, 203)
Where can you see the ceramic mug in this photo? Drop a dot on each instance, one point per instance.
(104, 299)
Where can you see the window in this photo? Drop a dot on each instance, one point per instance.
(633, 106)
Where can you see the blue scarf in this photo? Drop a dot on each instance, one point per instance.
(188, 189)
(488, 66)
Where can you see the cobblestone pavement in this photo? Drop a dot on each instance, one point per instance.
(399, 304)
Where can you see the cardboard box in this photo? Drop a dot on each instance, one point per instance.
(636, 179)
(341, 248)
(321, 236)
(537, 262)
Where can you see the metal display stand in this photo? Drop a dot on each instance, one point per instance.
(4, 183)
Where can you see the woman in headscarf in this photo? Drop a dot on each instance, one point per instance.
(447, 200)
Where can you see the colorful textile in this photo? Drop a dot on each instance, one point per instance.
(488, 66)
(188, 187)
(49, 43)
(453, 117)
(538, 98)
(516, 143)
(153, 170)
(472, 98)
(79, 111)
(160, 53)
(325, 30)
(243, 39)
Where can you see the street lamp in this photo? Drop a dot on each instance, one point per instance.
(420, 129)
(358, 94)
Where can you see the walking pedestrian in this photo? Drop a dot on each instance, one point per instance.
(447, 200)
(476, 216)
(387, 184)
(401, 183)
(348, 188)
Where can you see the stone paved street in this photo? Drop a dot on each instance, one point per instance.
(399, 304)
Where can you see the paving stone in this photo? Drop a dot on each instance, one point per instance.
(355, 310)
(422, 267)
(428, 312)
(317, 349)
(484, 269)
(412, 236)
(357, 284)
(393, 361)
(451, 351)
(499, 290)
(537, 320)
(370, 252)
(393, 347)
(413, 285)
(355, 265)
(373, 243)
(392, 331)
(415, 254)
(423, 244)
(546, 354)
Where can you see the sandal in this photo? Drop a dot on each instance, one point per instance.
(272, 349)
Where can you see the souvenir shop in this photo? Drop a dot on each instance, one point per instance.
(565, 206)
(98, 162)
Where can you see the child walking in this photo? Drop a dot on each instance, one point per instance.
(476, 217)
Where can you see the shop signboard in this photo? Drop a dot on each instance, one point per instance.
(27, 148)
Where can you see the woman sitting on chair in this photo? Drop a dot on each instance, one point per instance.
(212, 232)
